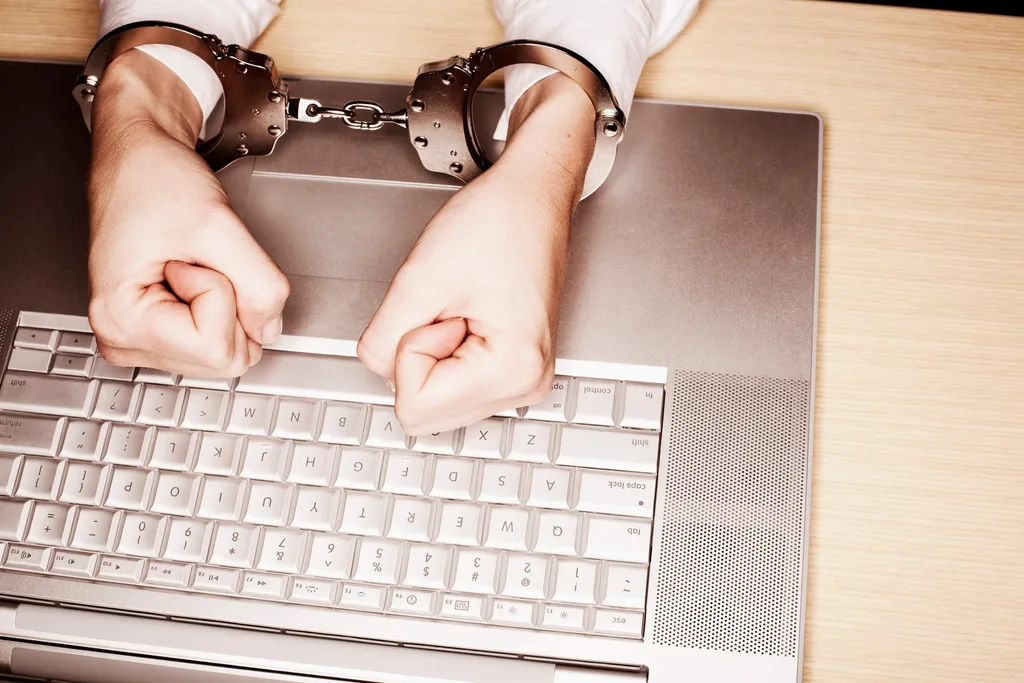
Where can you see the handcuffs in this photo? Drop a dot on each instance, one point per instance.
(438, 113)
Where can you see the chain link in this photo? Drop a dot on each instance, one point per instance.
(360, 115)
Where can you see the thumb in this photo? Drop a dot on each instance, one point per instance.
(422, 349)
(261, 289)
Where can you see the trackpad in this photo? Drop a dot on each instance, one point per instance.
(339, 229)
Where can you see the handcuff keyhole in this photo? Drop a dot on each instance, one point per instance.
(417, 105)
(420, 141)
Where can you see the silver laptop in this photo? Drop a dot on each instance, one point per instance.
(648, 521)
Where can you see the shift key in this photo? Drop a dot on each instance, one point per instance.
(29, 434)
(34, 393)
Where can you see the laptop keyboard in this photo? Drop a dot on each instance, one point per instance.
(295, 483)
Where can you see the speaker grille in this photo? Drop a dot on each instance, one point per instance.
(730, 557)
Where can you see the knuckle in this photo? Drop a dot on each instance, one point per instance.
(113, 356)
(219, 354)
(533, 371)
(105, 325)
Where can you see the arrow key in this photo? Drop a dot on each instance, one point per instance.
(264, 586)
(120, 569)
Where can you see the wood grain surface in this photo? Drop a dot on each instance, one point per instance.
(917, 549)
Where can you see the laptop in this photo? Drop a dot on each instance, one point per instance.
(647, 521)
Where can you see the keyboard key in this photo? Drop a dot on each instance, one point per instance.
(385, 430)
(625, 585)
(129, 489)
(78, 565)
(121, 569)
(617, 538)
(378, 561)
(359, 468)
(152, 376)
(468, 607)
(316, 508)
(313, 591)
(410, 519)
(405, 473)
(441, 443)
(642, 409)
(595, 402)
(114, 401)
(296, 419)
(556, 533)
(210, 383)
(35, 338)
(38, 478)
(141, 535)
(268, 503)
(531, 442)
(265, 459)
(186, 540)
(176, 494)
(234, 545)
(453, 478)
(426, 566)
(250, 414)
(511, 612)
(28, 434)
(507, 527)
(34, 393)
(217, 580)
(172, 450)
(563, 617)
(312, 463)
(575, 581)
(361, 596)
(500, 483)
(549, 487)
(48, 523)
(343, 424)
(221, 499)
(460, 524)
(160, 405)
(364, 514)
(283, 550)
(93, 528)
(616, 493)
(265, 586)
(71, 366)
(616, 623)
(476, 571)
(101, 369)
(82, 440)
(29, 360)
(525, 576)
(168, 574)
(205, 410)
(125, 445)
(484, 438)
(305, 375)
(218, 454)
(330, 556)
(552, 408)
(609, 449)
(406, 601)
(10, 468)
(14, 518)
(76, 342)
(27, 557)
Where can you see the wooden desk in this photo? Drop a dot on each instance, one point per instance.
(917, 549)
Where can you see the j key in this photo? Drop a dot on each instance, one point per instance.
(221, 498)
(330, 556)
(217, 580)
(406, 601)
(234, 545)
(312, 463)
(500, 483)
(333, 378)
(76, 342)
(642, 408)
(172, 450)
(71, 365)
(265, 586)
(295, 419)
(316, 508)
(30, 360)
(67, 563)
(556, 533)
(176, 494)
(552, 408)
(410, 519)
(595, 402)
(38, 478)
(405, 473)
(168, 574)
(385, 431)
(343, 424)
(359, 468)
(426, 566)
(10, 468)
(186, 540)
(484, 438)
(29, 435)
(468, 607)
(83, 440)
(265, 459)
(217, 454)
(101, 369)
(460, 524)
(205, 410)
(34, 393)
(283, 551)
(14, 517)
(617, 493)
(575, 581)
(441, 443)
(141, 535)
(129, 489)
(563, 617)
(531, 442)
(378, 561)
(453, 478)
(525, 576)
(618, 623)
(125, 445)
(160, 405)
(476, 571)
(114, 401)
(268, 503)
(35, 338)
(625, 585)
(609, 449)
(250, 414)
(47, 526)
(512, 612)
(617, 538)
(507, 527)
(364, 514)
(92, 529)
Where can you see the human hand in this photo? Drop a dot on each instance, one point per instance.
(467, 328)
(177, 281)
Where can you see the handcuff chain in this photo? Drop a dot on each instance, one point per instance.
(352, 114)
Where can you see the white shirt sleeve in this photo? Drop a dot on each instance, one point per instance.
(233, 21)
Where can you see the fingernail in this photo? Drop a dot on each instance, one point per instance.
(255, 355)
(272, 330)
(391, 385)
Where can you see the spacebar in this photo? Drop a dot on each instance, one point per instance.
(337, 378)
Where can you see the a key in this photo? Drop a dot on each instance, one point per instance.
(304, 375)
(378, 561)
(410, 519)
(31, 392)
(120, 569)
(128, 489)
(616, 493)
(364, 514)
(531, 442)
(363, 597)
(187, 540)
(453, 478)
(172, 450)
(30, 360)
(141, 535)
(29, 434)
(205, 410)
(295, 419)
(343, 424)
(265, 586)
(525, 576)
(250, 414)
(76, 342)
(265, 459)
(47, 526)
(507, 527)
(93, 528)
(552, 408)
(469, 607)
(316, 508)
(405, 473)
(483, 439)
(595, 402)
(384, 430)
(78, 565)
(10, 468)
(313, 591)
(217, 580)
(575, 581)
(642, 406)
(125, 445)
(407, 601)
(460, 524)
(549, 487)
(176, 493)
(619, 623)
(268, 503)
(476, 571)
(71, 366)
(101, 369)
(500, 483)
(330, 556)
(168, 574)
(441, 443)
(113, 401)
(609, 449)
(210, 383)
(234, 545)
(556, 533)
(38, 478)
(563, 617)
(83, 440)
(617, 538)
(426, 566)
(218, 454)
(160, 405)
(312, 463)
(359, 468)
(14, 518)
(283, 550)
(625, 585)
(511, 612)
(153, 376)
(221, 499)
(35, 338)
(27, 557)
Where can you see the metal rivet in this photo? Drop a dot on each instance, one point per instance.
(88, 94)
(455, 168)
(611, 129)
(454, 153)
(255, 112)
(311, 109)
(274, 131)
(92, 80)
(241, 136)
(447, 78)
(242, 149)
(437, 124)
(241, 68)
(274, 96)
(417, 105)
(420, 141)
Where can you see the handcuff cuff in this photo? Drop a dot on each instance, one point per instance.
(438, 112)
